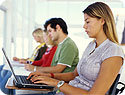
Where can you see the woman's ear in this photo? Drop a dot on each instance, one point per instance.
(102, 21)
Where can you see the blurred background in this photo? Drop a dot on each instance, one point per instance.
(18, 19)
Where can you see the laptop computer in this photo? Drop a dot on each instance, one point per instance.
(20, 81)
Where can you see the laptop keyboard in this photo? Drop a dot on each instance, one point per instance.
(24, 79)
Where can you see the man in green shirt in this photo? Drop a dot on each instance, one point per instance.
(67, 55)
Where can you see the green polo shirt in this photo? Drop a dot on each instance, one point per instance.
(66, 54)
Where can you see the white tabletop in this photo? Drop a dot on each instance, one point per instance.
(18, 68)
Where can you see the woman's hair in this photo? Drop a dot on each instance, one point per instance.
(47, 32)
(101, 10)
(49, 38)
(38, 32)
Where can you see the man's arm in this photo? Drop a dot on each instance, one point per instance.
(53, 69)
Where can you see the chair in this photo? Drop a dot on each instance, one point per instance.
(119, 91)
(112, 90)
(4, 75)
(1, 67)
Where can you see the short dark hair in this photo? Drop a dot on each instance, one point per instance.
(56, 21)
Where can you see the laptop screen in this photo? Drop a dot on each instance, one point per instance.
(11, 68)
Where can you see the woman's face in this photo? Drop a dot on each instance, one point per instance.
(92, 26)
(46, 38)
(37, 38)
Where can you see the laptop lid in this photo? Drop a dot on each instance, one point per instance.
(11, 68)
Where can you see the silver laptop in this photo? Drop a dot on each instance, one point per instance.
(20, 81)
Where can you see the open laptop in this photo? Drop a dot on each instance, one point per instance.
(20, 81)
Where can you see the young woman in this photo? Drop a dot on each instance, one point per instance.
(101, 61)
(40, 49)
(47, 57)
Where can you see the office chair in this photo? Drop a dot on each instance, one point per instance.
(119, 91)
(112, 90)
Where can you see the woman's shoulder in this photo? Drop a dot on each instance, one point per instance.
(113, 49)
(114, 46)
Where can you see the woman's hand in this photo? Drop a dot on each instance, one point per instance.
(45, 80)
(35, 74)
(22, 61)
(29, 67)
(15, 59)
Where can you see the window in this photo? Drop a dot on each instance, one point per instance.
(2, 30)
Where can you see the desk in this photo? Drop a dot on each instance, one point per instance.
(18, 68)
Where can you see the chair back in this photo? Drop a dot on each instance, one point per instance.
(112, 90)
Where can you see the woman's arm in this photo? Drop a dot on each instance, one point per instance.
(38, 63)
(66, 76)
(108, 72)
(60, 76)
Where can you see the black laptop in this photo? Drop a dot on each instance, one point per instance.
(20, 81)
